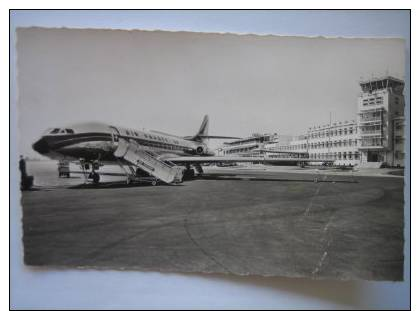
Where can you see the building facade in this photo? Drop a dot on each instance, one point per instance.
(381, 121)
(252, 145)
(374, 139)
(338, 141)
(399, 154)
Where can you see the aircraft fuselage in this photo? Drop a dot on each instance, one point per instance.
(98, 141)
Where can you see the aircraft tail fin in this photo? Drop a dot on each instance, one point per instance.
(204, 127)
(203, 133)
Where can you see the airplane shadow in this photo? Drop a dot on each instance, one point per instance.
(116, 185)
(246, 178)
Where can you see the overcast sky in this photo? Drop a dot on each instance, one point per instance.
(169, 80)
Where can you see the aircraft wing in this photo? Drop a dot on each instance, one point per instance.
(279, 151)
(227, 159)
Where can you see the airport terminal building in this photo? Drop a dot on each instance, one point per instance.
(254, 144)
(372, 139)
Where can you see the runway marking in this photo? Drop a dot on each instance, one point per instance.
(328, 222)
(312, 199)
(321, 261)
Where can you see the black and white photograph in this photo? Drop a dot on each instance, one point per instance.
(218, 153)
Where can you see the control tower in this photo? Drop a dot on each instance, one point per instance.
(381, 122)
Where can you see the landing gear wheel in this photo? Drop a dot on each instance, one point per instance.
(95, 178)
(154, 183)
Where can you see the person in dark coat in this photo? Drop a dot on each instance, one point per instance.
(26, 181)
(22, 168)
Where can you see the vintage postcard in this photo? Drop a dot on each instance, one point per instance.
(215, 153)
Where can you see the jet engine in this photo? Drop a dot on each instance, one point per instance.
(201, 150)
(204, 150)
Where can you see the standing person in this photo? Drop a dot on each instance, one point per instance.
(22, 168)
(26, 181)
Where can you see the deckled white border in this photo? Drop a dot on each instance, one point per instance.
(222, 4)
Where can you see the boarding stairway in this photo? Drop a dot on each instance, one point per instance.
(133, 153)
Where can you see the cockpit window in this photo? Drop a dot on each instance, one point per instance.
(60, 131)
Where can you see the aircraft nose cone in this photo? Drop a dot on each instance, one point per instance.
(41, 146)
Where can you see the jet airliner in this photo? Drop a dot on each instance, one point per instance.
(143, 151)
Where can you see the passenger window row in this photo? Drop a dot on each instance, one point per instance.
(163, 146)
(159, 138)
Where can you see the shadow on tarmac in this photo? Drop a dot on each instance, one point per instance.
(115, 185)
(250, 178)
